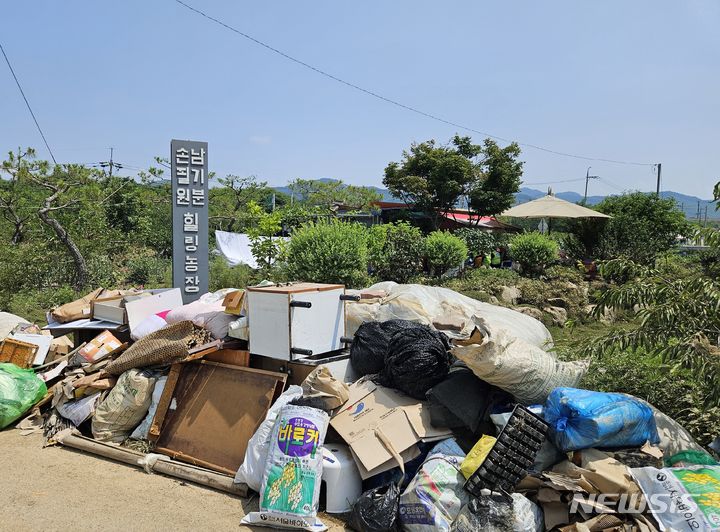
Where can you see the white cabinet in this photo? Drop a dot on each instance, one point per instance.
(295, 321)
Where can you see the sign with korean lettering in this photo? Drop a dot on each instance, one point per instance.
(190, 217)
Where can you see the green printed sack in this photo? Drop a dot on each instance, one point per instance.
(290, 490)
(682, 498)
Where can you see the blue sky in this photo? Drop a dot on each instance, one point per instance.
(636, 81)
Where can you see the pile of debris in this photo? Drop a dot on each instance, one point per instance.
(401, 407)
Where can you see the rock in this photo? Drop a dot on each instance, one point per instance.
(558, 314)
(530, 311)
(608, 317)
(493, 300)
(509, 294)
(558, 302)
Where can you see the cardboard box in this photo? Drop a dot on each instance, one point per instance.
(371, 409)
(233, 302)
(110, 309)
(100, 347)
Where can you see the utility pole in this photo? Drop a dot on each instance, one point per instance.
(588, 177)
(110, 164)
(659, 173)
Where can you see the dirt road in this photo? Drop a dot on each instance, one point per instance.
(57, 488)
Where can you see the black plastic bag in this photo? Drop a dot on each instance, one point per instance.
(461, 400)
(377, 510)
(371, 342)
(417, 360)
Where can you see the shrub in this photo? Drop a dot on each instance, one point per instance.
(223, 275)
(480, 242)
(395, 251)
(334, 252)
(533, 251)
(488, 280)
(146, 269)
(570, 274)
(444, 251)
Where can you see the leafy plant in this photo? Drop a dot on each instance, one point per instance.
(679, 319)
(329, 252)
(444, 251)
(479, 242)
(395, 251)
(533, 251)
(265, 247)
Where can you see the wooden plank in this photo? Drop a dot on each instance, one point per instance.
(164, 402)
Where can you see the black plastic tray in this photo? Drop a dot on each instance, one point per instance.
(512, 455)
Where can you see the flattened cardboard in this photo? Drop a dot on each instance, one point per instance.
(371, 408)
(233, 302)
(218, 407)
(139, 309)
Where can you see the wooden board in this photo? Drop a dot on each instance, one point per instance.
(16, 352)
(218, 408)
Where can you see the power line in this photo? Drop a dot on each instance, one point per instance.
(27, 103)
(555, 182)
(395, 102)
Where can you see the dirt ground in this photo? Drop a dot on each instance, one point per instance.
(58, 488)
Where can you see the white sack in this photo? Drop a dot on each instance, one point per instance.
(252, 469)
(124, 407)
(427, 304)
(141, 431)
(8, 322)
(518, 367)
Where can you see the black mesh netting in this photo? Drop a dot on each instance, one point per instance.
(371, 342)
(417, 360)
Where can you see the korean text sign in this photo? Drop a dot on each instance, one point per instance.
(189, 162)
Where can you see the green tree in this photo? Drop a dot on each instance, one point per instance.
(324, 194)
(642, 227)
(500, 178)
(433, 177)
(265, 247)
(229, 201)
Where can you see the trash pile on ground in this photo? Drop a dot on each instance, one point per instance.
(399, 407)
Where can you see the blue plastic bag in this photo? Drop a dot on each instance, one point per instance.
(580, 419)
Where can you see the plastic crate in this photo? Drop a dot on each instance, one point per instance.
(512, 455)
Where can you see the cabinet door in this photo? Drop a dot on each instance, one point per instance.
(320, 327)
(269, 325)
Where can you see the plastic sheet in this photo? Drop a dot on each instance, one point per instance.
(580, 419)
(19, 390)
(498, 513)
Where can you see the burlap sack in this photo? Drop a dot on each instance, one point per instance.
(169, 344)
(324, 390)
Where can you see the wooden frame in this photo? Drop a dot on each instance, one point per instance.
(22, 354)
(218, 409)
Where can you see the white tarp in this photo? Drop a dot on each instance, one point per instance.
(429, 304)
(235, 248)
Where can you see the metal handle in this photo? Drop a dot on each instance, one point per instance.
(298, 351)
(349, 297)
(301, 304)
(346, 339)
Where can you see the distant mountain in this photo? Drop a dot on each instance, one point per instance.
(691, 205)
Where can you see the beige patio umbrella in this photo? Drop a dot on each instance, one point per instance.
(551, 207)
